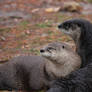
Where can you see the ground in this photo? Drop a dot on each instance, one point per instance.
(25, 26)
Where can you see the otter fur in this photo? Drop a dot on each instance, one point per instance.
(32, 73)
(61, 59)
(80, 31)
(80, 80)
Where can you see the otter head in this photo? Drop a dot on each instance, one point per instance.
(56, 52)
(72, 28)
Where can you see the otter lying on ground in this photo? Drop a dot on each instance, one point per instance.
(81, 80)
(36, 72)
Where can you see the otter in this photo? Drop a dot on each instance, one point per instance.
(80, 30)
(61, 59)
(32, 73)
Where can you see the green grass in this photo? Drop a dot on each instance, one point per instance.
(90, 1)
(5, 29)
(35, 51)
(23, 25)
(44, 25)
(50, 32)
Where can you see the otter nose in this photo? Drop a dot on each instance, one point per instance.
(59, 26)
(42, 50)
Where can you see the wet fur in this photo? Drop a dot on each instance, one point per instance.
(80, 80)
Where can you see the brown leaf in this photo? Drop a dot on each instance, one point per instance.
(55, 9)
(72, 6)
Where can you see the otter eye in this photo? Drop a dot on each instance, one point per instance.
(63, 46)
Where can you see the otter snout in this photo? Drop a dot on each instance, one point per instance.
(42, 51)
(59, 26)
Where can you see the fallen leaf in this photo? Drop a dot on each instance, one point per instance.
(35, 10)
(3, 38)
(71, 6)
(55, 9)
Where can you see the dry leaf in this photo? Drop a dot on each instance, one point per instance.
(72, 7)
(55, 9)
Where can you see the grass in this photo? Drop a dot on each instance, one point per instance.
(41, 25)
(23, 25)
(50, 32)
(90, 1)
(35, 51)
(5, 29)
(44, 25)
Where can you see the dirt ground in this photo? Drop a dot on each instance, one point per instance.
(25, 26)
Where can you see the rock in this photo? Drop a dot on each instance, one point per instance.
(3, 38)
(44, 35)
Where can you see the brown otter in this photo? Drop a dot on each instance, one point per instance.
(61, 59)
(36, 72)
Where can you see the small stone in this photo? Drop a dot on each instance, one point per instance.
(44, 35)
(27, 32)
(3, 38)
